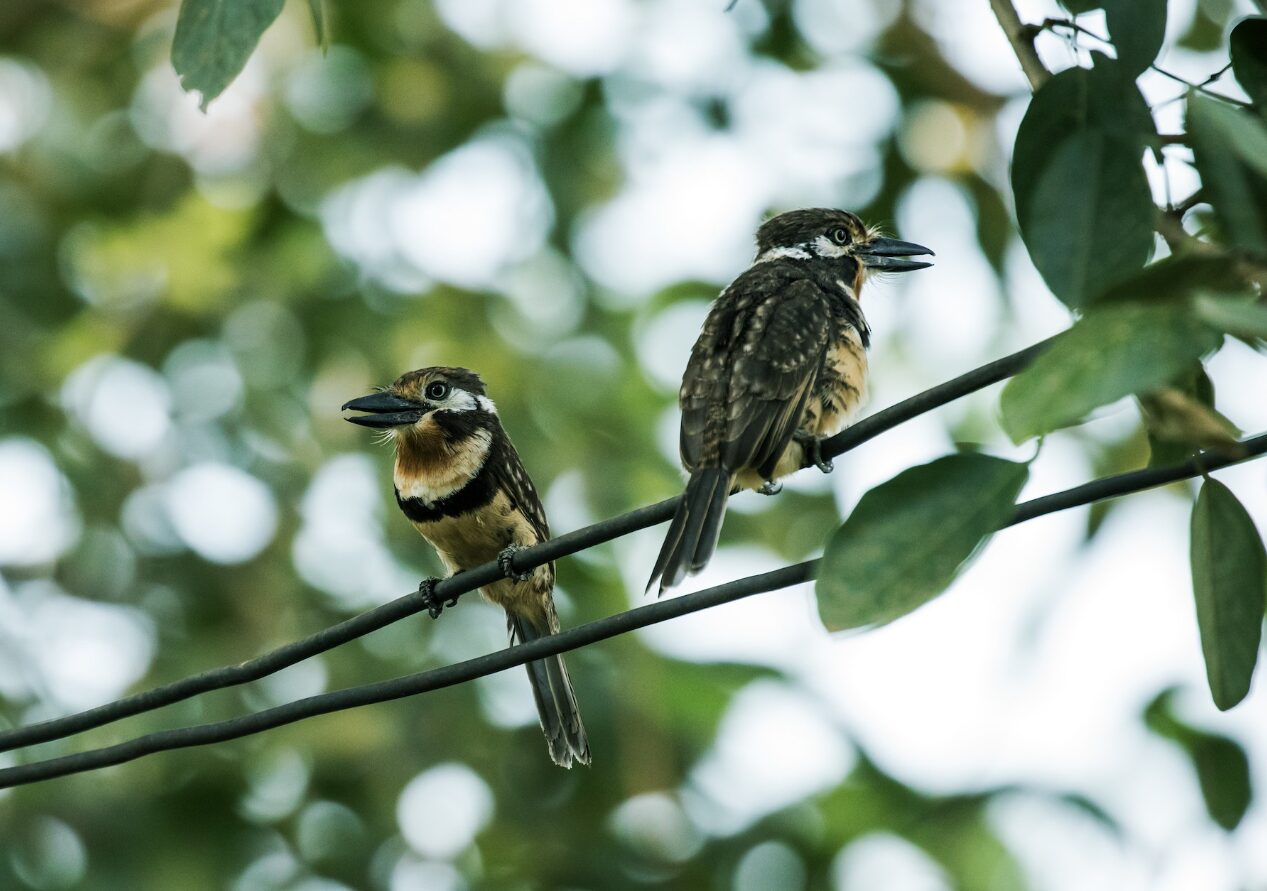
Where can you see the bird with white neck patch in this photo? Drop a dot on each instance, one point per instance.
(460, 482)
(779, 366)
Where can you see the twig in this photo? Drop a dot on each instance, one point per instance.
(1021, 37)
(457, 585)
(574, 638)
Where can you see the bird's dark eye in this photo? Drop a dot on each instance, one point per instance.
(840, 235)
(437, 390)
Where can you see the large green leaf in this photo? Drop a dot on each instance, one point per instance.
(1229, 579)
(1090, 222)
(214, 38)
(909, 537)
(1103, 98)
(1230, 148)
(1234, 316)
(1220, 764)
(1138, 28)
(1249, 57)
(1176, 278)
(1113, 351)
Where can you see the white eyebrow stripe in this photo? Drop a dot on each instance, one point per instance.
(776, 253)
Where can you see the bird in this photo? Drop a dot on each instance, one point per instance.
(460, 481)
(780, 365)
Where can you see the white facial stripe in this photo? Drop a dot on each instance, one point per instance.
(464, 463)
(825, 247)
(486, 404)
(457, 400)
(776, 253)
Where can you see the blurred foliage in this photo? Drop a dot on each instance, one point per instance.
(180, 320)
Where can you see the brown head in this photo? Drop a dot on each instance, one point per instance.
(838, 240)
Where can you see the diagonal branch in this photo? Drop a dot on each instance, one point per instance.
(457, 585)
(573, 638)
(1021, 36)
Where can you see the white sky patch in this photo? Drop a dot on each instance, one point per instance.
(205, 382)
(463, 220)
(340, 547)
(25, 98)
(664, 341)
(38, 520)
(442, 809)
(838, 27)
(222, 513)
(473, 212)
(79, 653)
(124, 405)
(224, 139)
(686, 46)
(655, 826)
(581, 37)
(773, 748)
(691, 215)
(883, 860)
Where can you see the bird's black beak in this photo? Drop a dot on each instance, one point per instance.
(384, 410)
(889, 255)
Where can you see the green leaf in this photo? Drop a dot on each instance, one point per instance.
(1239, 317)
(1111, 352)
(1103, 98)
(1220, 764)
(214, 38)
(1230, 149)
(873, 572)
(1176, 278)
(1181, 420)
(1249, 57)
(1229, 579)
(1090, 224)
(318, 10)
(1080, 6)
(1138, 28)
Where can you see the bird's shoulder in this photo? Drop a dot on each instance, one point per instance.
(511, 478)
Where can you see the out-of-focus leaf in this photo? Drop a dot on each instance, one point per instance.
(1113, 351)
(1249, 57)
(214, 38)
(1090, 223)
(1176, 278)
(1177, 418)
(1077, 7)
(1137, 28)
(1238, 317)
(1230, 148)
(909, 537)
(1103, 98)
(318, 10)
(1220, 764)
(1229, 579)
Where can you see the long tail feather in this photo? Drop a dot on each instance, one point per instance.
(556, 700)
(692, 536)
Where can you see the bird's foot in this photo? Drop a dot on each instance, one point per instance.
(506, 561)
(813, 447)
(770, 487)
(434, 605)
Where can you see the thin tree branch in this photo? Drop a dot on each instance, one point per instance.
(573, 638)
(1021, 36)
(461, 583)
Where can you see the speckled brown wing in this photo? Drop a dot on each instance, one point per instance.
(774, 370)
(510, 477)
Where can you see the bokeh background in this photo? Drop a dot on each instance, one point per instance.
(550, 192)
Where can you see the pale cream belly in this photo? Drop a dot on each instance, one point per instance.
(827, 413)
(469, 540)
